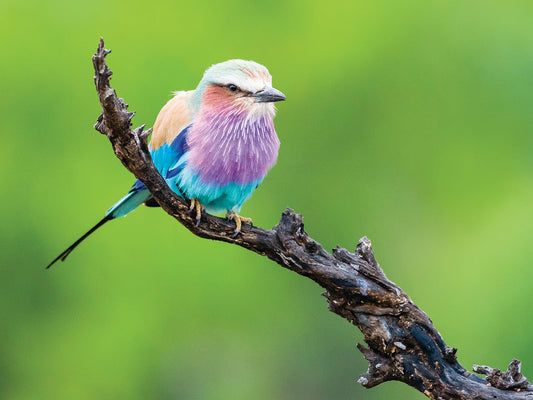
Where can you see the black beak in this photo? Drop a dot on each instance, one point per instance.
(269, 96)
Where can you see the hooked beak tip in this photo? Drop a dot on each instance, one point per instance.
(269, 95)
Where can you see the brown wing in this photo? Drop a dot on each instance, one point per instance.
(171, 120)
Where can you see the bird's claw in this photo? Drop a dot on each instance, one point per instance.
(195, 205)
(238, 221)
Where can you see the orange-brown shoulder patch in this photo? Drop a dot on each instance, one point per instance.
(172, 119)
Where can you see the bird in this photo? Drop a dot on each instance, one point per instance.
(213, 145)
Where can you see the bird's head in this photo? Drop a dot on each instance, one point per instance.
(240, 85)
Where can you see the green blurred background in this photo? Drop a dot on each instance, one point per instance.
(409, 122)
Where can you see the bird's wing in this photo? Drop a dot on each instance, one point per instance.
(175, 116)
(168, 142)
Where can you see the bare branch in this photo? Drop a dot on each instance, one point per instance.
(402, 343)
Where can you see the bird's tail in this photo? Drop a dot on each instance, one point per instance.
(65, 254)
(124, 206)
(128, 203)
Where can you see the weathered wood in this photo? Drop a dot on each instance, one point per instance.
(402, 343)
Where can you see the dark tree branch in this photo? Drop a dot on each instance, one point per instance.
(402, 343)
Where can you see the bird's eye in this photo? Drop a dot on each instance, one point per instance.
(232, 87)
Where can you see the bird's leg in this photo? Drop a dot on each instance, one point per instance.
(238, 221)
(195, 205)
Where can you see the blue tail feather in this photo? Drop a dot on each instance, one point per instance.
(136, 196)
(128, 203)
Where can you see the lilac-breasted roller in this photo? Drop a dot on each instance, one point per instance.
(214, 145)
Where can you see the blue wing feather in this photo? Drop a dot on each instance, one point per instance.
(138, 185)
(179, 147)
(166, 157)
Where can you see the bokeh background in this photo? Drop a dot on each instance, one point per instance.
(409, 122)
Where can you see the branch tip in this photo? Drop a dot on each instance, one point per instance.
(366, 252)
(512, 379)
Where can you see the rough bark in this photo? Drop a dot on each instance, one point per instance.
(402, 343)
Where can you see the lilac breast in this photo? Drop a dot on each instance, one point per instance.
(228, 145)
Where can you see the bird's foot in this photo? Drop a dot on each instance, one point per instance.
(195, 205)
(238, 221)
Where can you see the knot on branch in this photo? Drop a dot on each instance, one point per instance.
(380, 369)
(365, 251)
(142, 134)
(512, 379)
(291, 228)
(291, 223)
(450, 354)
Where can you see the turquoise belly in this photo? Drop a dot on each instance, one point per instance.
(215, 198)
